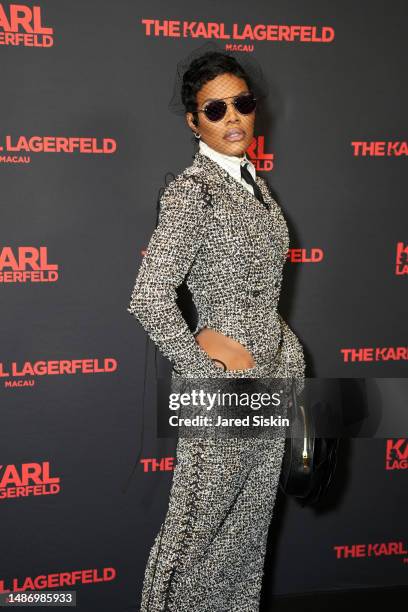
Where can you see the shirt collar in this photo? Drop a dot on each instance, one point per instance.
(230, 163)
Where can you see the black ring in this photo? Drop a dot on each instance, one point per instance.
(219, 361)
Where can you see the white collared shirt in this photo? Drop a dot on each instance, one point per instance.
(230, 163)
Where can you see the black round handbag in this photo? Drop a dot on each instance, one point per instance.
(309, 461)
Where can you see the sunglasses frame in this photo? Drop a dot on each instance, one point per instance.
(234, 98)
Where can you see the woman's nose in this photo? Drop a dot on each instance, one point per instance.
(232, 112)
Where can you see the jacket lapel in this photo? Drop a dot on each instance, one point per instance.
(232, 190)
(230, 195)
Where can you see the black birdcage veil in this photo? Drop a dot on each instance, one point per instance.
(256, 78)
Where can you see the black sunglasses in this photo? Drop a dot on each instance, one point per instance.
(215, 110)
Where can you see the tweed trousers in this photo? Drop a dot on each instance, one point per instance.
(209, 553)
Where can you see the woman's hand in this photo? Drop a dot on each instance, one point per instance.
(226, 349)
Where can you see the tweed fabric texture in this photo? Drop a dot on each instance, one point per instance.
(231, 250)
(208, 555)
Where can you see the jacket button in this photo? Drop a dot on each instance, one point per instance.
(256, 292)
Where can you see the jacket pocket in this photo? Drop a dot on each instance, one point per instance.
(228, 353)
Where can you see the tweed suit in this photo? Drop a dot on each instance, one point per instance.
(213, 233)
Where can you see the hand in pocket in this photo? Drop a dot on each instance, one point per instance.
(226, 349)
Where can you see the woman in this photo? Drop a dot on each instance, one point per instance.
(221, 231)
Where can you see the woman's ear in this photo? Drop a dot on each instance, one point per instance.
(191, 120)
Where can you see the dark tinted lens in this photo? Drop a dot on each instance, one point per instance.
(215, 110)
(245, 104)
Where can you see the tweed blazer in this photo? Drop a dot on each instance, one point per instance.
(230, 249)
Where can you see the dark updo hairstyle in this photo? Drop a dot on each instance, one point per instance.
(204, 69)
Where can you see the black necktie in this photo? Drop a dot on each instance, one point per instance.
(247, 176)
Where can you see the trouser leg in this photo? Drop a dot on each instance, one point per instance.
(264, 480)
(209, 553)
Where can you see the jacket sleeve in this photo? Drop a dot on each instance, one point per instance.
(169, 255)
